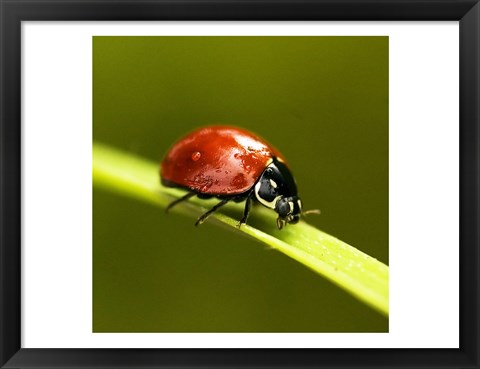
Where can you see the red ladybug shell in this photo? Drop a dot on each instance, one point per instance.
(218, 160)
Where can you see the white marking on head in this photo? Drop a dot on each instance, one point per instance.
(273, 184)
(299, 204)
(290, 203)
(268, 204)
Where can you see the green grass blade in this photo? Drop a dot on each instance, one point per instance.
(361, 275)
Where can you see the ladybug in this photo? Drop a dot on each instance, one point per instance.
(232, 164)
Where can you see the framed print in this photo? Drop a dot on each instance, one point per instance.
(341, 139)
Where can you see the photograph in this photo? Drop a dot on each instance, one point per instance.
(240, 184)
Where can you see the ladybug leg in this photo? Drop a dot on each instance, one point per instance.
(248, 203)
(183, 198)
(212, 210)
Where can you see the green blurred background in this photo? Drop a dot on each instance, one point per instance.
(323, 101)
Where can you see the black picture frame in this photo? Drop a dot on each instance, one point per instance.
(467, 12)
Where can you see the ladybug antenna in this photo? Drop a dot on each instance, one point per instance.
(313, 211)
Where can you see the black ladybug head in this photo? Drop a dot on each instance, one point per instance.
(289, 210)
